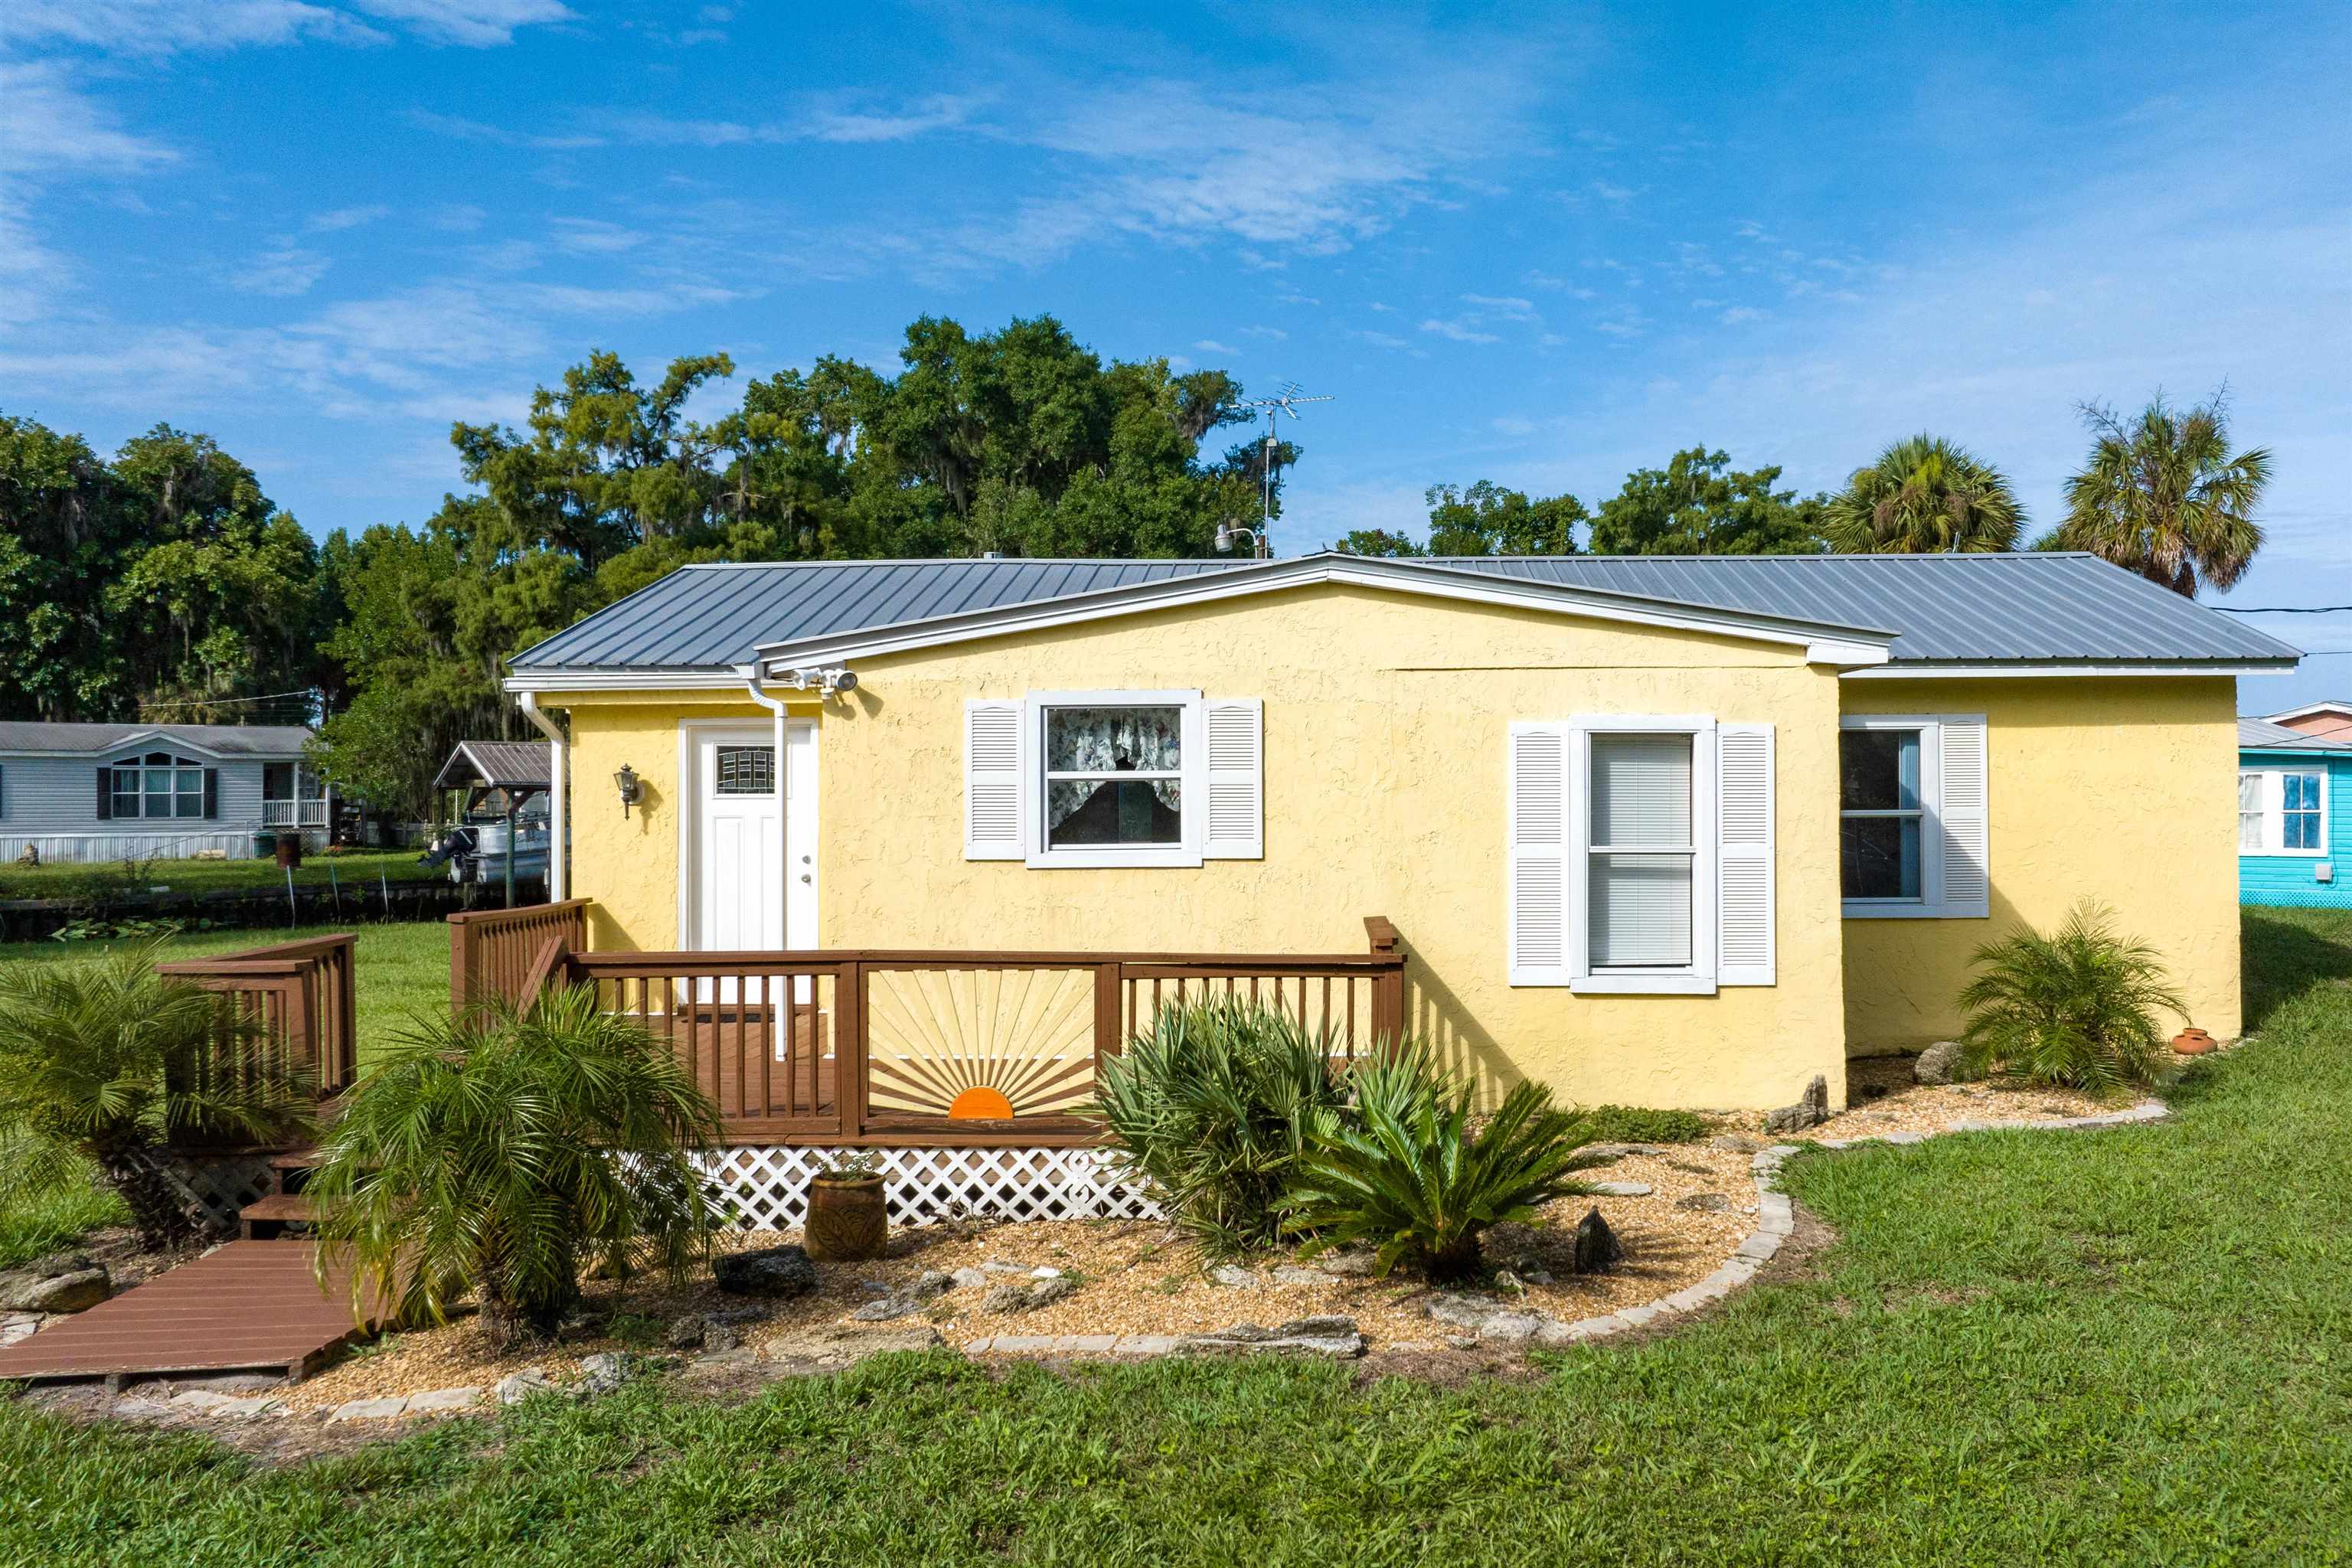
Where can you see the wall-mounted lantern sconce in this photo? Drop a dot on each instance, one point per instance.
(629, 786)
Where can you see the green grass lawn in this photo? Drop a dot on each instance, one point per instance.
(356, 872)
(403, 969)
(2123, 1346)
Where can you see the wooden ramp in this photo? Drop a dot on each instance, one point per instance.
(248, 1306)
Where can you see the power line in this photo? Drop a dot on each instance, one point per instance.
(306, 694)
(2281, 609)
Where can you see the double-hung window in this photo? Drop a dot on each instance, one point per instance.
(156, 785)
(1913, 825)
(1113, 778)
(1640, 854)
(2283, 811)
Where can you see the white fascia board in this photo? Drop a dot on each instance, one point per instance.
(1844, 646)
(2307, 709)
(624, 680)
(2083, 668)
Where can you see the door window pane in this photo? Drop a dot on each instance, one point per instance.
(747, 770)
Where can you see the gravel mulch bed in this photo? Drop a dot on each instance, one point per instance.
(1883, 1098)
(1136, 1278)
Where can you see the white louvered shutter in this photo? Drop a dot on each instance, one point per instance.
(994, 778)
(1236, 754)
(1538, 829)
(1966, 817)
(1744, 887)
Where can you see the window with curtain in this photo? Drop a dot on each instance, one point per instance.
(2249, 812)
(1642, 851)
(1114, 776)
(1881, 815)
(158, 784)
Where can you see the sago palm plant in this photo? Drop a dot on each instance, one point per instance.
(1213, 1106)
(105, 1063)
(501, 1154)
(2076, 1010)
(1923, 496)
(1415, 1181)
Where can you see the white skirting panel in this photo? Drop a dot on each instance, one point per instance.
(88, 848)
(765, 1187)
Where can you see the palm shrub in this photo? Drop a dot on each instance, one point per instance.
(2076, 1010)
(105, 1065)
(1414, 1179)
(501, 1152)
(1213, 1106)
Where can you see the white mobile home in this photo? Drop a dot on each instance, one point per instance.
(105, 791)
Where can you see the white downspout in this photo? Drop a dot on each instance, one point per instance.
(755, 682)
(559, 839)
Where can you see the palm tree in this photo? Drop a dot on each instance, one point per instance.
(1923, 496)
(2165, 496)
(106, 1064)
(501, 1152)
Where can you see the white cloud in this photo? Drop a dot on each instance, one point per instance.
(471, 23)
(1739, 313)
(1380, 339)
(464, 130)
(168, 27)
(1460, 331)
(1514, 309)
(346, 217)
(1211, 346)
(940, 111)
(1277, 334)
(46, 124)
(281, 273)
(594, 236)
(458, 218)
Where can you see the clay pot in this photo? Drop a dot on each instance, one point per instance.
(847, 1220)
(2192, 1042)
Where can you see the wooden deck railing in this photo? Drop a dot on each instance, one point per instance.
(296, 998)
(926, 1048)
(492, 951)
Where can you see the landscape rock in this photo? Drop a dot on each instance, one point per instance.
(1614, 1152)
(1737, 1143)
(1293, 1274)
(518, 1387)
(1940, 1064)
(733, 1359)
(1624, 1189)
(604, 1373)
(1705, 1202)
(252, 1407)
(836, 1345)
(1348, 1265)
(1029, 1296)
(970, 1279)
(1511, 1328)
(582, 1324)
(61, 1282)
(684, 1331)
(1535, 1274)
(1597, 1246)
(1810, 1111)
(998, 1266)
(1045, 1271)
(765, 1271)
(1234, 1276)
(379, 1409)
(1461, 1310)
(17, 1326)
(437, 1400)
(1324, 1336)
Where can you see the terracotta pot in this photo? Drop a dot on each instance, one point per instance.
(847, 1220)
(2192, 1042)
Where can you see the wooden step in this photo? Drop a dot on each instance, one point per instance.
(270, 1216)
(297, 1160)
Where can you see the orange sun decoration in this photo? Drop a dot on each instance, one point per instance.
(980, 1105)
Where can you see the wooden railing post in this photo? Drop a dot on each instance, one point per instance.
(1110, 1033)
(1388, 984)
(850, 1070)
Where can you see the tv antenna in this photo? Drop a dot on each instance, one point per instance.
(1285, 401)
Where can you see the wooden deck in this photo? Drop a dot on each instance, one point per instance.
(248, 1306)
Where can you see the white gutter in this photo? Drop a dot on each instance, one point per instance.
(559, 838)
(755, 682)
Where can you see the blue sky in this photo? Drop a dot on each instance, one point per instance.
(1543, 245)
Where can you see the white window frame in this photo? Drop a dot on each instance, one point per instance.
(2273, 777)
(1697, 978)
(140, 766)
(1933, 903)
(1930, 901)
(1191, 777)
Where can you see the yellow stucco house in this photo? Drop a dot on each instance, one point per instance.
(1673, 832)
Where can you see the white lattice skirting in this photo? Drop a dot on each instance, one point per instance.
(765, 1187)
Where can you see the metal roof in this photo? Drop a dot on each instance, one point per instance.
(496, 765)
(221, 740)
(1944, 609)
(2262, 735)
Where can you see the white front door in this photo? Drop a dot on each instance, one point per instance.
(755, 890)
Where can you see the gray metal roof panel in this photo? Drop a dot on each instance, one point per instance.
(2260, 734)
(518, 763)
(222, 740)
(1945, 609)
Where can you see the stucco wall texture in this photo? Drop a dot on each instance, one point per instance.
(1386, 726)
(2119, 790)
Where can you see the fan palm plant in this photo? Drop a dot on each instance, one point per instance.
(2076, 1009)
(1213, 1106)
(1923, 496)
(1415, 1182)
(105, 1063)
(500, 1154)
(2165, 496)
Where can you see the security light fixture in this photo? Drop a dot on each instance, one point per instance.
(626, 779)
(830, 680)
